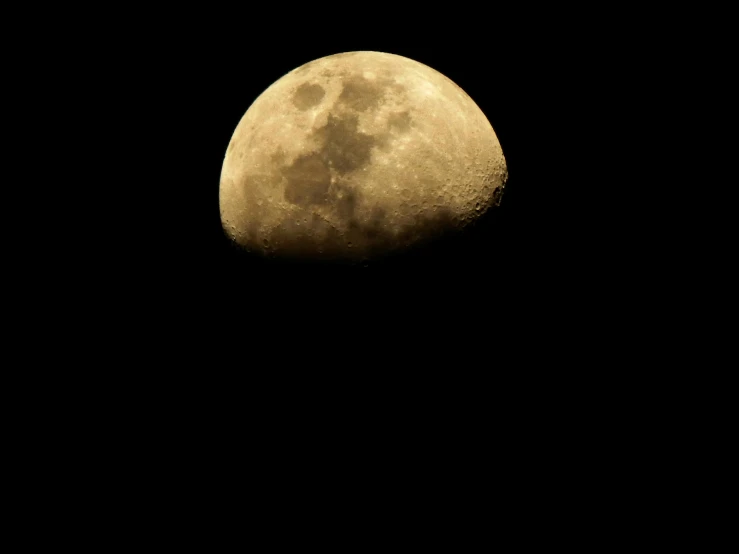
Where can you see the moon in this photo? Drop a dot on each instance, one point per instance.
(355, 156)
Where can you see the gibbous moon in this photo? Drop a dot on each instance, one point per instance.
(355, 156)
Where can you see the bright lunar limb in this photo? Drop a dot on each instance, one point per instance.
(357, 155)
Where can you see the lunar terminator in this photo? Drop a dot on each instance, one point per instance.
(357, 155)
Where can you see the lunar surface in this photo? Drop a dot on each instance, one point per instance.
(355, 156)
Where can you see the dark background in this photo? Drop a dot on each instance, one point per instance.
(509, 351)
(500, 348)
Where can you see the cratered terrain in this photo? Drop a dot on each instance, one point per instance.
(355, 156)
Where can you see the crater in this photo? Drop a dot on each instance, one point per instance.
(308, 95)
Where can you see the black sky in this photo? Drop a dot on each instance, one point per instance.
(504, 322)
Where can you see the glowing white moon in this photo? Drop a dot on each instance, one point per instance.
(357, 155)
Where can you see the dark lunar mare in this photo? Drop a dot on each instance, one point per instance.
(345, 150)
